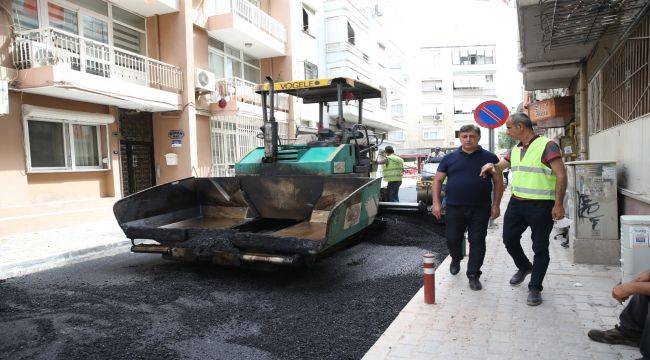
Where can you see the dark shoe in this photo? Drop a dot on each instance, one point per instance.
(474, 283)
(534, 298)
(454, 267)
(519, 277)
(614, 336)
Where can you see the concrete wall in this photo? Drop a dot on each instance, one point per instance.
(20, 188)
(627, 144)
(177, 30)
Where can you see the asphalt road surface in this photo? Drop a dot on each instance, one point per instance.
(140, 306)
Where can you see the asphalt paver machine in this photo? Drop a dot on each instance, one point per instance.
(287, 203)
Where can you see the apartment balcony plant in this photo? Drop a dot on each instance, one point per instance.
(60, 64)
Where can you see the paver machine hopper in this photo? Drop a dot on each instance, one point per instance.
(287, 203)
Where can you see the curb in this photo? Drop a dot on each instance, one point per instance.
(66, 258)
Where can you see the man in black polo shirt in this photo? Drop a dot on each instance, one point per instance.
(469, 201)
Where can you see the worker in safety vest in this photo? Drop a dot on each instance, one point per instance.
(393, 170)
(538, 185)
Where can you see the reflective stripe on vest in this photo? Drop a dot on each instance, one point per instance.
(531, 179)
(393, 168)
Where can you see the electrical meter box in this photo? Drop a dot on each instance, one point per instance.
(593, 210)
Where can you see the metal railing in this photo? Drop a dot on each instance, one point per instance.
(346, 46)
(50, 46)
(254, 15)
(244, 91)
(232, 137)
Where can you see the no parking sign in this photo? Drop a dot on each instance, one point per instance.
(491, 114)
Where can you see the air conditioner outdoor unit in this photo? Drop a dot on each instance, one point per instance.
(204, 81)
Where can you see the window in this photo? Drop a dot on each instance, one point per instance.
(47, 144)
(396, 136)
(431, 85)
(62, 18)
(54, 142)
(397, 110)
(129, 39)
(307, 17)
(464, 108)
(476, 56)
(89, 19)
(311, 70)
(351, 38)
(25, 14)
(432, 134)
(233, 63)
(470, 82)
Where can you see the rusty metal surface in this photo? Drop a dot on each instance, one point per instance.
(150, 248)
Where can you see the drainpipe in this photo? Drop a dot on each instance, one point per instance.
(584, 127)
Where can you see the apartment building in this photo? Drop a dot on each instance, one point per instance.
(460, 63)
(605, 69)
(106, 98)
(454, 80)
(358, 46)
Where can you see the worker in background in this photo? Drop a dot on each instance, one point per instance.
(633, 328)
(393, 171)
(471, 201)
(436, 151)
(538, 185)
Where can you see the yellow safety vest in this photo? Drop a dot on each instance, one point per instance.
(531, 179)
(393, 168)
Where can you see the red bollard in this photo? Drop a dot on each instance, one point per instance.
(429, 279)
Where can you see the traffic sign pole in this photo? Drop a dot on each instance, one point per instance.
(491, 140)
(491, 114)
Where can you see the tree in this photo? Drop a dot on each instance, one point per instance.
(505, 141)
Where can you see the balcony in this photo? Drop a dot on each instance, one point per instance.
(344, 59)
(484, 92)
(243, 25)
(60, 64)
(148, 7)
(463, 118)
(240, 96)
(373, 115)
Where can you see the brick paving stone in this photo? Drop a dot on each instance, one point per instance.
(496, 323)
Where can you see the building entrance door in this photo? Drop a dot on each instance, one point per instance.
(136, 151)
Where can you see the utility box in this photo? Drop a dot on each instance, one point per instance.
(593, 209)
(635, 245)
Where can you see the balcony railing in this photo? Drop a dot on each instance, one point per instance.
(244, 91)
(254, 15)
(49, 46)
(346, 46)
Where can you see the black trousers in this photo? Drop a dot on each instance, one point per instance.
(635, 319)
(475, 220)
(393, 190)
(536, 214)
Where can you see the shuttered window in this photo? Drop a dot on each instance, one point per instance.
(129, 39)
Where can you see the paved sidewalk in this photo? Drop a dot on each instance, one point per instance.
(26, 253)
(496, 323)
